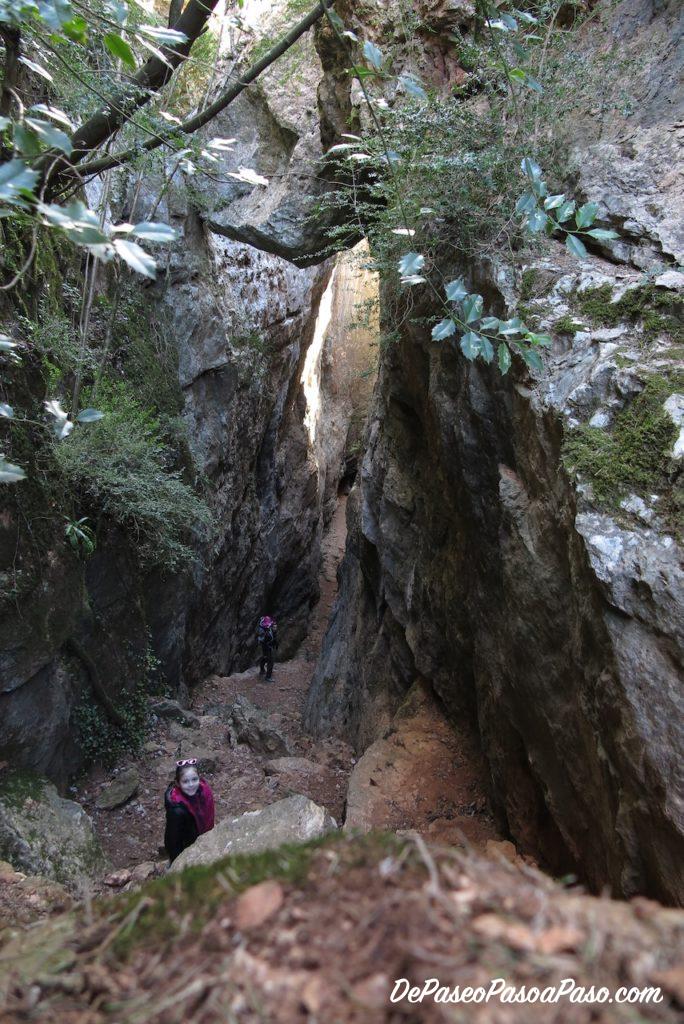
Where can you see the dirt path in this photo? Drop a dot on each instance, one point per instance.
(241, 779)
(423, 775)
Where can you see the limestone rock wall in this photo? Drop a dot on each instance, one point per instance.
(240, 321)
(478, 560)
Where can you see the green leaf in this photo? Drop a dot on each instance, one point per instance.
(76, 30)
(54, 113)
(490, 323)
(9, 473)
(539, 188)
(456, 290)
(504, 358)
(6, 411)
(517, 74)
(52, 136)
(576, 247)
(412, 87)
(553, 202)
(89, 416)
(470, 345)
(26, 141)
(586, 215)
(411, 263)
(136, 257)
(154, 232)
(169, 36)
(391, 157)
(16, 180)
(526, 203)
(536, 220)
(120, 49)
(37, 69)
(335, 20)
(533, 359)
(565, 211)
(372, 54)
(533, 84)
(486, 349)
(472, 308)
(531, 169)
(508, 328)
(603, 234)
(509, 21)
(444, 329)
(80, 224)
(118, 10)
(529, 19)
(544, 340)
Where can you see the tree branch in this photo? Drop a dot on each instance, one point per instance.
(10, 37)
(175, 8)
(151, 77)
(192, 124)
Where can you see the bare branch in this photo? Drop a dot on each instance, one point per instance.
(151, 77)
(192, 124)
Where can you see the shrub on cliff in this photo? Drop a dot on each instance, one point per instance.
(122, 469)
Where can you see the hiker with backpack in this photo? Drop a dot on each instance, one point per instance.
(267, 636)
(189, 805)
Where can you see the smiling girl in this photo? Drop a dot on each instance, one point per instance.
(189, 805)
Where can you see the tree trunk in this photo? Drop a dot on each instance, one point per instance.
(151, 77)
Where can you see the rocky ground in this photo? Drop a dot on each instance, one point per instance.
(251, 758)
(253, 749)
(322, 932)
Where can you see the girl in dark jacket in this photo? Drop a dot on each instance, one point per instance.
(189, 805)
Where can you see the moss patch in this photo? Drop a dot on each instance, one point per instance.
(567, 325)
(658, 312)
(527, 282)
(633, 456)
(153, 914)
(19, 786)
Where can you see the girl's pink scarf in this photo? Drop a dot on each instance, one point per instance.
(201, 805)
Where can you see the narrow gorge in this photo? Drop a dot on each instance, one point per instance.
(368, 318)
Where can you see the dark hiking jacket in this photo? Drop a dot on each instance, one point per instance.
(186, 817)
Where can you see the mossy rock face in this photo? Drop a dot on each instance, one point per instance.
(635, 455)
(43, 834)
(658, 311)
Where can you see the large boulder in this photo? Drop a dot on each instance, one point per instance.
(120, 790)
(43, 834)
(294, 820)
(171, 710)
(261, 731)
